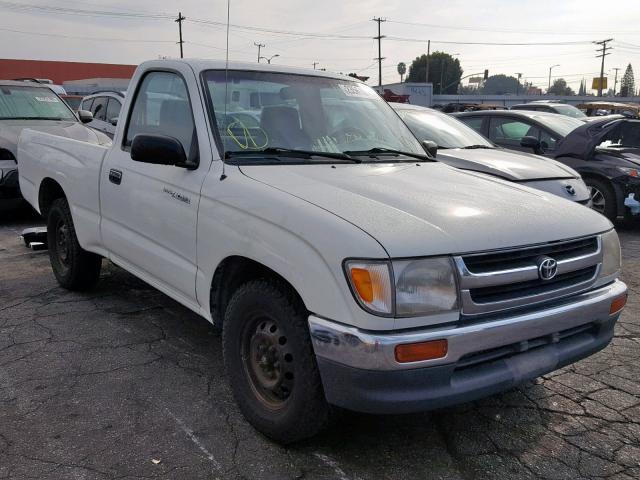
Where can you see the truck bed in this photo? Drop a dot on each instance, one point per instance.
(73, 165)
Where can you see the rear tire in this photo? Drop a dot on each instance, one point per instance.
(73, 267)
(603, 197)
(270, 362)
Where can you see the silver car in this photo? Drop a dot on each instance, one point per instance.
(105, 108)
(462, 147)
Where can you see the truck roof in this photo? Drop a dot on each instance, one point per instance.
(200, 65)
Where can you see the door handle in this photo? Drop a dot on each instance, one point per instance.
(115, 176)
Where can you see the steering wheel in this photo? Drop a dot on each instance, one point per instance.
(348, 134)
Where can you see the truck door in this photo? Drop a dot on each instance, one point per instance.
(149, 212)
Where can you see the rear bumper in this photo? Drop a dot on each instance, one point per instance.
(359, 370)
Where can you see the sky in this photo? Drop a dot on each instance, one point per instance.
(335, 33)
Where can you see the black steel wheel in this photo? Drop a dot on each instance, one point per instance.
(73, 267)
(270, 362)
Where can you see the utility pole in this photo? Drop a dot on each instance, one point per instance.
(615, 82)
(314, 64)
(428, 54)
(550, 68)
(179, 20)
(441, 75)
(518, 84)
(603, 53)
(380, 57)
(259, 45)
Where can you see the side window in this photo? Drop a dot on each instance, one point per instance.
(99, 108)
(509, 131)
(113, 109)
(547, 140)
(473, 122)
(162, 107)
(86, 104)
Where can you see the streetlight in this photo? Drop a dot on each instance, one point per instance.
(550, 68)
(268, 59)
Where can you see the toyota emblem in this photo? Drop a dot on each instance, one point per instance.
(547, 268)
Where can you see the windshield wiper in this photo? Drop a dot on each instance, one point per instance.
(474, 147)
(292, 153)
(389, 151)
(34, 118)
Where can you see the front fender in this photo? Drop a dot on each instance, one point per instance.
(298, 240)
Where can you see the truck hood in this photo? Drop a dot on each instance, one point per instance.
(10, 131)
(506, 164)
(431, 208)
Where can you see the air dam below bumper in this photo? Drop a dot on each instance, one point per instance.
(359, 371)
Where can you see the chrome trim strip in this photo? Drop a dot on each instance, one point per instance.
(376, 351)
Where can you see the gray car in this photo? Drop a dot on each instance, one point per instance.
(105, 108)
(36, 107)
(461, 147)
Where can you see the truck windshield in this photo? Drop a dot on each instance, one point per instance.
(269, 110)
(26, 103)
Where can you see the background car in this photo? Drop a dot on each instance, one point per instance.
(34, 106)
(105, 107)
(74, 101)
(560, 108)
(604, 151)
(462, 147)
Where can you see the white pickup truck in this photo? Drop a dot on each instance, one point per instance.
(345, 266)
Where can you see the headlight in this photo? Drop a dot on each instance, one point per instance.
(422, 286)
(611, 254)
(425, 286)
(632, 172)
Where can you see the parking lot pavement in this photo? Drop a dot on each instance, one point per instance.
(123, 382)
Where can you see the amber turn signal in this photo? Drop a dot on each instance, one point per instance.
(618, 304)
(417, 352)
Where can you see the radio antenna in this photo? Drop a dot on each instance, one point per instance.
(226, 88)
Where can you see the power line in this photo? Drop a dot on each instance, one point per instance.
(80, 37)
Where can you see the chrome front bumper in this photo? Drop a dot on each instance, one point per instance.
(368, 350)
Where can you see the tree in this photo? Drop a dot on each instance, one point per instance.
(500, 85)
(560, 87)
(582, 91)
(444, 72)
(402, 69)
(628, 83)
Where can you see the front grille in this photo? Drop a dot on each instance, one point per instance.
(531, 287)
(501, 280)
(510, 259)
(499, 353)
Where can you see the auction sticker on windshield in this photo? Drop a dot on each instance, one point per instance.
(356, 90)
(47, 99)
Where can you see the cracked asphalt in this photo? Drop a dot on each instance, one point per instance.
(124, 383)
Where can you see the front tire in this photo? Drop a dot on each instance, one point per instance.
(73, 267)
(603, 197)
(270, 362)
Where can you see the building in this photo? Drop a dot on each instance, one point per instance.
(409, 92)
(61, 72)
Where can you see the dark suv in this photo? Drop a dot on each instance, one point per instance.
(606, 151)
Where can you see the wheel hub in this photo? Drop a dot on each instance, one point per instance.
(597, 199)
(62, 242)
(268, 361)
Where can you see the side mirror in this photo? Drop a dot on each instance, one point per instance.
(430, 147)
(531, 142)
(114, 121)
(85, 116)
(159, 150)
